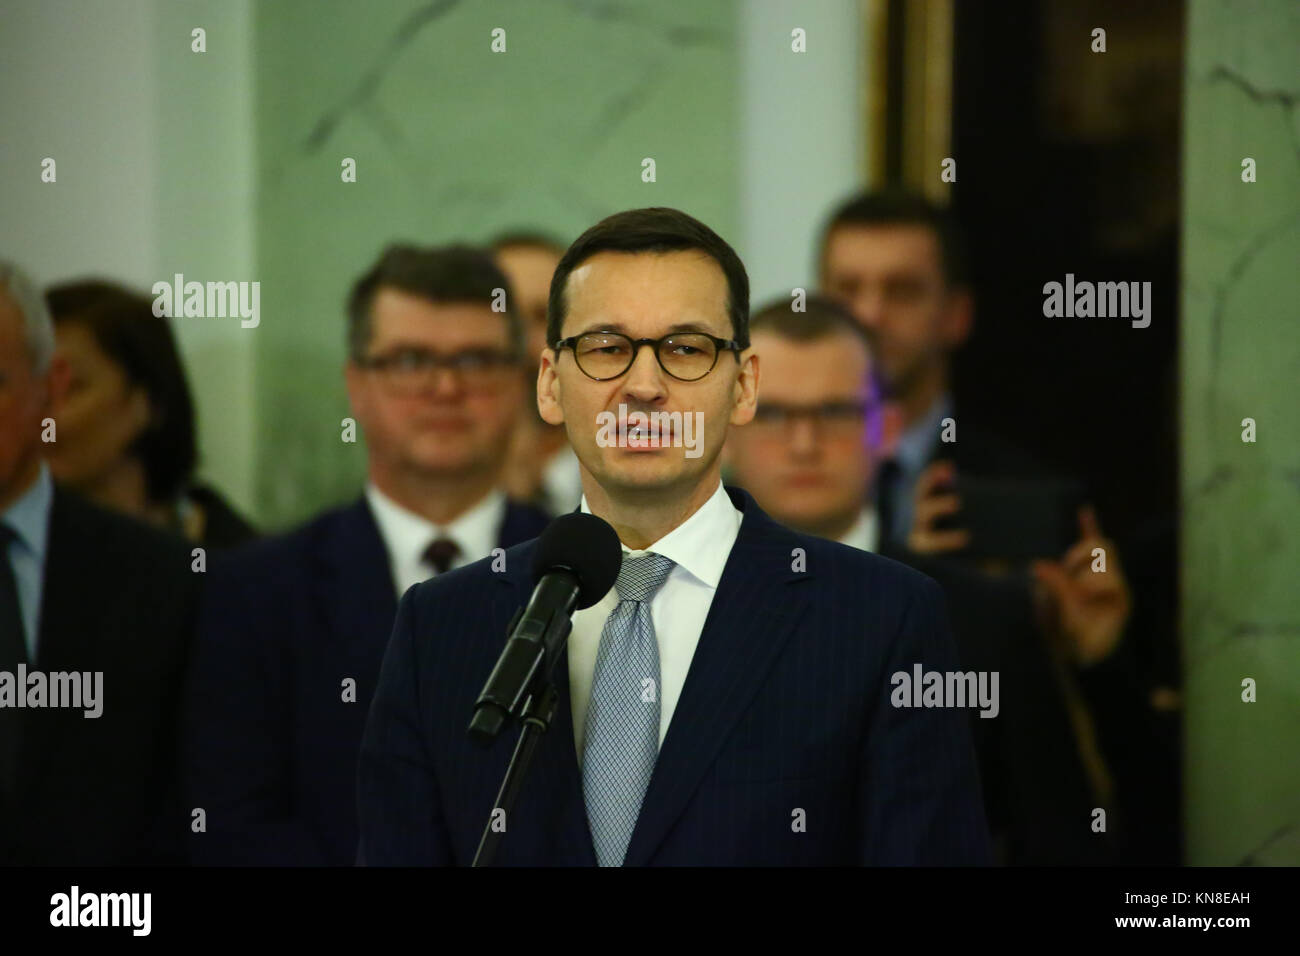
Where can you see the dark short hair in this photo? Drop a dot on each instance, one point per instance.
(142, 346)
(455, 273)
(526, 238)
(653, 229)
(896, 207)
(822, 318)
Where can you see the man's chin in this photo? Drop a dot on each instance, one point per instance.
(646, 472)
(443, 464)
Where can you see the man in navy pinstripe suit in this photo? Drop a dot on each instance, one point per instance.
(729, 702)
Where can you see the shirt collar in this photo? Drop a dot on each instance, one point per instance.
(863, 534)
(562, 480)
(29, 516)
(702, 543)
(409, 534)
(916, 443)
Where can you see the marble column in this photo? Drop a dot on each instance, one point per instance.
(1240, 353)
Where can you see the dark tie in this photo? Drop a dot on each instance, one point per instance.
(441, 554)
(888, 480)
(13, 651)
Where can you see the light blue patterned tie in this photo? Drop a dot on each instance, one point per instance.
(622, 734)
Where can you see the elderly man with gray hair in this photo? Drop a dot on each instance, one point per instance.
(96, 618)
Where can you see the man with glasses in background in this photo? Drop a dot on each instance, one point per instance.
(811, 454)
(295, 627)
(728, 701)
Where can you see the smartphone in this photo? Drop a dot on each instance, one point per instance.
(1019, 519)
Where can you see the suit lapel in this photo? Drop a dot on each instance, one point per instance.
(75, 628)
(521, 523)
(357, 584)
(752, 615)
(73, 603)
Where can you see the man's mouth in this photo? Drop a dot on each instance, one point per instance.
(651, 432)
(457, 423)
(638, 430)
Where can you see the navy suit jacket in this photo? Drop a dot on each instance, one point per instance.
(271, 744)
(784, 748)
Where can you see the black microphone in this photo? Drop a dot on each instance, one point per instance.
(576, 563)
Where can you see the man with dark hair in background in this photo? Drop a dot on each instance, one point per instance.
(92, 594)
(295, 628)
(789, 641)
(898, 263)
(541, 468)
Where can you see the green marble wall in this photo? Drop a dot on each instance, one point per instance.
(203, 188)
(451, 142)
(1241, 501)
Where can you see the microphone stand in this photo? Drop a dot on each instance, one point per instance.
(537, 713)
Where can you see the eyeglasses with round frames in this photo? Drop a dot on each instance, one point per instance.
(686, 356)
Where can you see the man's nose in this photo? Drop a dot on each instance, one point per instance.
(868, 307)
(444, 383)
(645, 379)
(802, 438)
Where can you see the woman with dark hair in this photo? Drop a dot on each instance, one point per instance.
(126, 425)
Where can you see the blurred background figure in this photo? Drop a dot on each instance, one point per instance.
(542, 468)
(126, 421)
(898, 262)
(811, 454)
(89, 591)
(294, 631)
(1072, 732)
(528, 260)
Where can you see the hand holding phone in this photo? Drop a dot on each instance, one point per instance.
(935, 502)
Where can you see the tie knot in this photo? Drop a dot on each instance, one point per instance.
(441, 553)
(639, 578)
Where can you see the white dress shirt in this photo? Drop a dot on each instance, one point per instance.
(699, 546)
(407, 535)
(865, 532)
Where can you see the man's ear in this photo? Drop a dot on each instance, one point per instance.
(959, 317)
(548, 389)
(745, 391)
